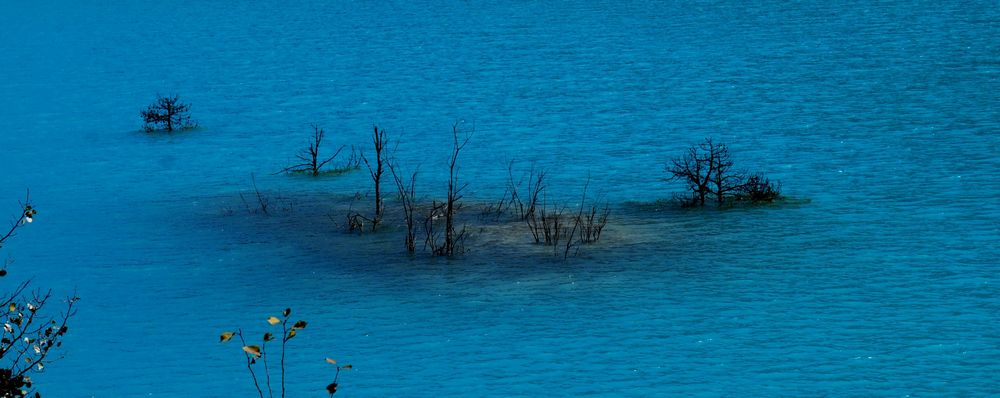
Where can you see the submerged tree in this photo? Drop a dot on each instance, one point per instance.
(759, 189)
(451, 236)
(454, 238)
(311, 162)
(407, 196)
(28, 336)
(707, 170)
(167, 114)
(380, 142)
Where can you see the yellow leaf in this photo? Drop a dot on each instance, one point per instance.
(291, 334)
(299, 325)
(330, 361)
(252, 350)
(13, 307)
(273, 320)
(226, 336)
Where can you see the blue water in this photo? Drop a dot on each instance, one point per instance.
(881, 120)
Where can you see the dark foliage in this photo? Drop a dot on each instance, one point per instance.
(759, 189)
(14, 386)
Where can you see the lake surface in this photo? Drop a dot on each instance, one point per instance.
(882, 122)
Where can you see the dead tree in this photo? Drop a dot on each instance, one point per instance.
(432, 236)
(380, 140)
(523, 207)
(453, 238)
(707, 170)
(311, 161)
(725, 180)
(453, 242)
(407, 194)
(533, 209)
(263, 201)
(577, 223)
(593, 223)
(167, 114)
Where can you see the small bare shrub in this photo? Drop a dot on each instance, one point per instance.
(311, 162)
(167, 114)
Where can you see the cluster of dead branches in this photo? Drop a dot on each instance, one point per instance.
(453, 241)
(707, 171)
(310, 160)
(407, 193)
(549, 224)
(167, 114)
(376, 168)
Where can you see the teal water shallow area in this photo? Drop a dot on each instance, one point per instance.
(881, 121)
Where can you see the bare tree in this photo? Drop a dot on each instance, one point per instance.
(310, 160)
(593, 222)
(453, 240)
(707, 169)
(407, 194)
(432, 235)
(571, 240)
(380, 140)
(534, 208)
(725, 180)
(524, 207)
(263, 201)
(693, 170)
(168, 114)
